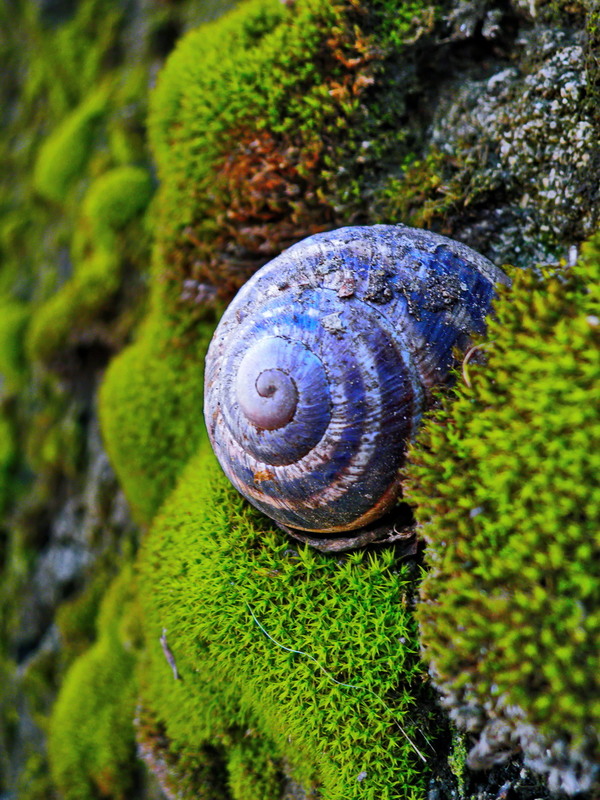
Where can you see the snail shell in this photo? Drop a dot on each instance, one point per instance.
(321, 367)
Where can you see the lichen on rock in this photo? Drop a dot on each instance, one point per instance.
(530, 139)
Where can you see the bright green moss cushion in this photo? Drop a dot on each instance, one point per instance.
(257, 89)
(151, 407)
(208, 565)
(91, 744)
(112, 200)
(260, 88)
(116, 197)
(506, 478)
(63, 155)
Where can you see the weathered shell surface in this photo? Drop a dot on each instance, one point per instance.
(321, 367)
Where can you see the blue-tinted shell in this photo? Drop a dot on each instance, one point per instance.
(321, 367)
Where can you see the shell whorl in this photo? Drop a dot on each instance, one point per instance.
(322, 365)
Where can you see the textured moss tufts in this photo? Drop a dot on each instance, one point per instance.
(64, 154)
(208, 565)
(91, 739)
(505, 479)
(13, 320)
(73, 306)
(151, 411)
(115, 198)
(253, 772)
(111, 202)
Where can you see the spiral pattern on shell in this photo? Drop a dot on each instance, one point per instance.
(321, 368)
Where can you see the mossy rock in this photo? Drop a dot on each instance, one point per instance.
(316, 655)
(65, 152)
(13, 320)
(505, 483)
(91, 738)
(111, 202)
(151, 411)
(261, 125)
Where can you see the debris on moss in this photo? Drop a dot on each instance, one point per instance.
(509, 610)
(246, 135)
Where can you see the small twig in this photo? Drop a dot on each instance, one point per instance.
(169, 655)
(339, 683)
(467, 358)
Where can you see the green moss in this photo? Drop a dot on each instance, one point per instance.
(151, 412)
(38, 683)
(73, 306)
(253, 773)
(199, 773)
(457, 761)
(112, 201)
(424, 194)
(505, 477)
(115, 198)
(7, 456)
(76, 618)
(270, 124)
(13, 319)
(208, 564)
(64, 154)
(65, 63)
(91, 739)
(53, 441)
(9, 716)
(34, 781)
